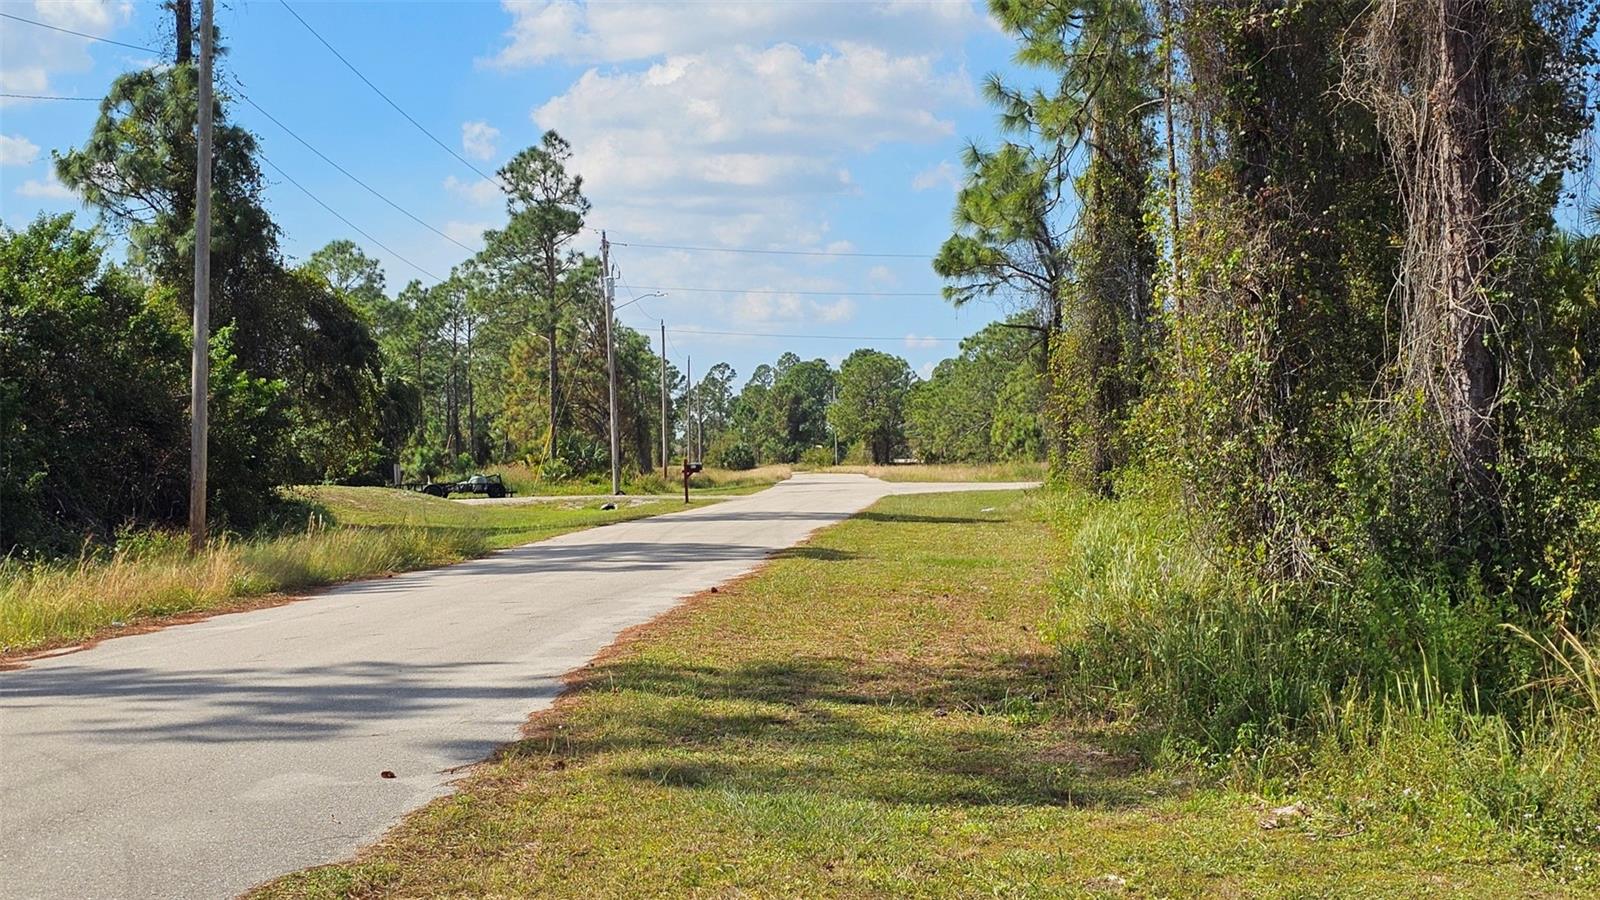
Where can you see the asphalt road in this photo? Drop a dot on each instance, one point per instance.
(206, 758)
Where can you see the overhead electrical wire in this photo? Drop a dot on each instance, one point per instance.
(91, 37)
(771, 252)
(379, 91)
(821, 337)
(48, 97)
(336, 214)
(705, 290)
(370, 189)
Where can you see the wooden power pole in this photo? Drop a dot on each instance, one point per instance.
(664, 449)
(200, 363)
(611, 358)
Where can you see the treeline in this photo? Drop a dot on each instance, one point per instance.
(1300, 269)
(979, 406)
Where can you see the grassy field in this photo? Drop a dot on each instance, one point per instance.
(714, 481)
(353, 533)
(873, 714)
(1012, 471)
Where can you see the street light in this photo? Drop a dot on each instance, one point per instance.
(607, 291)
(641, 297)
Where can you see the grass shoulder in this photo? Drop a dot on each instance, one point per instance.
(871, 714)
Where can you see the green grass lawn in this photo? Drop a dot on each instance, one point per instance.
(151, 578)
(872, 714)
(1006, 471)
(712, 481)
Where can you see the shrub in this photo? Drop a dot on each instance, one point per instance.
(730, 453)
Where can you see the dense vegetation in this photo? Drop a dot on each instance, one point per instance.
(1323, 381)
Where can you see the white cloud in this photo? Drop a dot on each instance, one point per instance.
(469, 233)
(921, 342)
(33, 56)
(882, 275)
(925, 371)
(738, 144)
(478, 139)
(17, 151)
(47, 188)
(477, 190)
(542, 30)
(943, 175)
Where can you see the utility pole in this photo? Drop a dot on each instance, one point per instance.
(835, 425)
(664, 449)
(200, 360)
(606, 284)
(688, 408)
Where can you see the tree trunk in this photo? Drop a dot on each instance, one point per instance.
(1174, 290)
(555, 381)
(183, 30)
(1460, 160)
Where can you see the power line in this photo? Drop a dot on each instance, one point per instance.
(772, 252)
(351, 66)
(92, 37)
(48, 97)
(700, 290)
(370, 189)
(318, 200)
(822, 337)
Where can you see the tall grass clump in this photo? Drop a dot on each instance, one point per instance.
(152, 575)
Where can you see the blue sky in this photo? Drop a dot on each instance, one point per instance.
(774, 125)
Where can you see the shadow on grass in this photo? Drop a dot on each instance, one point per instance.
(965, 734)
(805, 551)
(909, 518)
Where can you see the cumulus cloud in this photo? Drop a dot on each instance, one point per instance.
(17, 151)
(476, 190)
(921, 342)
(944, 175)
(478, 139)
(33, 56)
(545, 30)
(740, 137)
(47, 188)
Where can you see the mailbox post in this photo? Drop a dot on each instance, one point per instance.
(689, 468)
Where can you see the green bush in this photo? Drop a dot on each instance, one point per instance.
(728, 452)
(816, 458)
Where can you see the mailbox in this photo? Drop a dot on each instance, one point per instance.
(689, 468)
